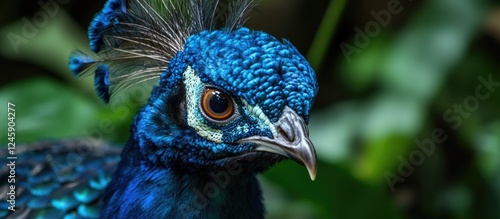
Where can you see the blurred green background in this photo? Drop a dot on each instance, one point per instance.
(406, 123)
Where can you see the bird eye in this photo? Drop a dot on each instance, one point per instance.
(216, 104)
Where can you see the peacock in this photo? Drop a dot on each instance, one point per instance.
(227, 103)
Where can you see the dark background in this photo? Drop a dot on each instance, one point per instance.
(406, 124)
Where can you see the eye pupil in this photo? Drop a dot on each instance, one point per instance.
(218, 102)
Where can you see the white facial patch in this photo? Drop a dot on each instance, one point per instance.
(194, 88)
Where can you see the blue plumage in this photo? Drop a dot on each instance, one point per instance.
(255, 66)
(57, 179)
(79, 63)
(228, 104)
(101, 82)
(103, 20)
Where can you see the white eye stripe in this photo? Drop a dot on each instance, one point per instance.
(194, 88)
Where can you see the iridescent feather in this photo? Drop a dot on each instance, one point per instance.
(137, 39)
(59, 179)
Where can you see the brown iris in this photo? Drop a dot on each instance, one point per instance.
(216, 104)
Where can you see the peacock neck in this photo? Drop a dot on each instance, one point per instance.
(141, 189)
(220, 195)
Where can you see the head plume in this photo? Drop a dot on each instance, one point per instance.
(134, 40)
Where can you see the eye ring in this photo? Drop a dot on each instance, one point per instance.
(216, 104)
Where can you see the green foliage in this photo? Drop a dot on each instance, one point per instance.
(44, 112)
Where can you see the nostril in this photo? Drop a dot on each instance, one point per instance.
(286, 131)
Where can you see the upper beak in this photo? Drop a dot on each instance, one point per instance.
(292, 141)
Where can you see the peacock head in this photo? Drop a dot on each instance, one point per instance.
(240, 96)
(224, 96)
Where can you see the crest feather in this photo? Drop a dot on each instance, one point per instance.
(136, 39)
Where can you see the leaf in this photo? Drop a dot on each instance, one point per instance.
(413, 71)
(325, 33)
(333, 129)
(47, 44)
(335, 193)
(47, 110)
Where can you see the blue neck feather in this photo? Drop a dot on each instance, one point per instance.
(142, 188)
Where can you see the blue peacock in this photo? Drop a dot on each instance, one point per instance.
(228, 103)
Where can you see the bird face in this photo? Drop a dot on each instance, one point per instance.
(240, 96)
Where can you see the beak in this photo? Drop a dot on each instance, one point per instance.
(292, 141)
